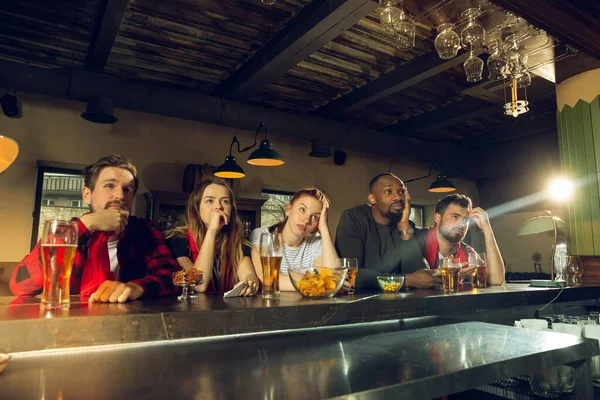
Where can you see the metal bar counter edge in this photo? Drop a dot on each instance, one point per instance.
(24, 327)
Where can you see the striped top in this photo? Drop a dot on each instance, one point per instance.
(301, 256)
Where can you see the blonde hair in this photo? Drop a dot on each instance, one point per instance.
(228, 246)
(305, 191)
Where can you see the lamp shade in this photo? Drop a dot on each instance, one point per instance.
(265, 155)
(319, 149)
(100, 110)
(230, 169)
(540, 223)
(442, 185)
(9, 149)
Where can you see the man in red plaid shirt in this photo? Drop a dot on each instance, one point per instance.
(119, 257)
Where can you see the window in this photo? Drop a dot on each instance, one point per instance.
(57, 196)
(273, 209)
(417, 215)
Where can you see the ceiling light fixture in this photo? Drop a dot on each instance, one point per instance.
(9, 149)
(440, 185)
(264, 156)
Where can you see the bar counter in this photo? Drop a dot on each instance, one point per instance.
(24, 327)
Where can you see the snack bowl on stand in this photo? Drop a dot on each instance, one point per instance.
(188, 280)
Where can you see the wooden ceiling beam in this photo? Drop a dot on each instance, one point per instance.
(80, 85)
(443, 117)
(316, 24)
(104, 35)
(401, 78)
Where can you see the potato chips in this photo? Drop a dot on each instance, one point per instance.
(319, 282)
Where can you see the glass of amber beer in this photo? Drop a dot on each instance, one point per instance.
(449, 270)
(271, 254)
(58, 247)
(352, 265)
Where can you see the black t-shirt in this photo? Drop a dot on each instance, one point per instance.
(378, 248)
(180, 247)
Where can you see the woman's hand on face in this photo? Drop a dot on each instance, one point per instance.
(218, 219)
(323, 217)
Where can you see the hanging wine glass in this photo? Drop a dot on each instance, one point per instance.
(524, 79)
(513, 28)
(405, 29)
(473, 68)
(389, 16)
(473, 36)
(496, 64)
(268, 2)
(447, 42)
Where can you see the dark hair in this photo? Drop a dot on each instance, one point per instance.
(91, 173)
(376, 178)
(458, 199)
(306, 191)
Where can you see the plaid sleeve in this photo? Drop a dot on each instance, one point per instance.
(160, 264)
(28, 276)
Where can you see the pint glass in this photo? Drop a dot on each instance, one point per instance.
(58, 247)
(449, 270)
(271, 255)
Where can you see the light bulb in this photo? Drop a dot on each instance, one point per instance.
(515, 113)
(561, 189)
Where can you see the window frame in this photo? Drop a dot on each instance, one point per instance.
(422, 209)
(39, 186)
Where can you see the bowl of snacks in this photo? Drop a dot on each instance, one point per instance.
(187, 280)
(390, 283)
(318, 282)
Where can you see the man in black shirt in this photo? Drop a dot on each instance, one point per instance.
(380, 236)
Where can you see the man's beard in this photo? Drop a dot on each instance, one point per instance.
(395, 214)
(453, 236)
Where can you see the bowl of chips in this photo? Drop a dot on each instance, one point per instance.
(318, 282)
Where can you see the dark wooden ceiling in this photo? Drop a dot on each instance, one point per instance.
(325, 58)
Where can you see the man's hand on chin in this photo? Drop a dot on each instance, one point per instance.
(106, 220)
(116, 292)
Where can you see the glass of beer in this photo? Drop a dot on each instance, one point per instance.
(58, 247)
(449, 270)
(478, 273)
(352, 265)
(271, 254)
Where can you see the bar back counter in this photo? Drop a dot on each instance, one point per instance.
(421, 344)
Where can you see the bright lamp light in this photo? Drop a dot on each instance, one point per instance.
(561, 189)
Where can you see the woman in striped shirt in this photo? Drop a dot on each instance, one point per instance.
(305, 234)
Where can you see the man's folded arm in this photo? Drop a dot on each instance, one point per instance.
(160, 265)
